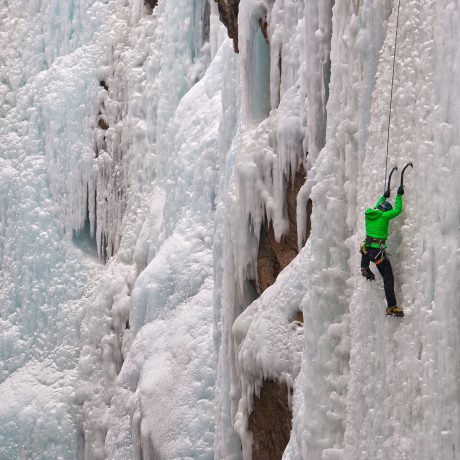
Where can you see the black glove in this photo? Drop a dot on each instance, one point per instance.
(387, 194)
(367, 273)
(401, 190)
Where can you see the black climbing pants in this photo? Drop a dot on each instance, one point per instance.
(384, 266)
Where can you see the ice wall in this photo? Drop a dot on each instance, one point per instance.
(88, 93)
(333, 191)
(264, 341)
(159, 285)
(48, 79)
(411, 359)
(140, 157)
(358, 366)
(163, 398)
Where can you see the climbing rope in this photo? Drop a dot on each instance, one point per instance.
(391, 95)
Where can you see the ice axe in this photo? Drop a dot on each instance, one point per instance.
(402, 172)
(389, 179)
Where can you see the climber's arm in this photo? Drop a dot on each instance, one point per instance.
(396, 210)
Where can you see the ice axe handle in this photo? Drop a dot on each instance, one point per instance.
(389, 177)
(402, 172)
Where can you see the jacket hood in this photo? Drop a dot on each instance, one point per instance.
(372, 214)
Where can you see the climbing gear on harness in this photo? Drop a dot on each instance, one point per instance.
(385, 206)
(369, 240)
(367, 273)
(380, 257)
(391, 94)
(395, 311)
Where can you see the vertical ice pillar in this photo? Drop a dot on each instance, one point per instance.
(184, 58)
(255, 53)
(331, 147)
(318, 30)
(259, 76)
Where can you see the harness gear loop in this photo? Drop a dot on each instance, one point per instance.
(379, 261)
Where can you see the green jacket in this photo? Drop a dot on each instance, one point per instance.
(377, 221)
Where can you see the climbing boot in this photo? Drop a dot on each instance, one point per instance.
(395, 311)
(367, 273)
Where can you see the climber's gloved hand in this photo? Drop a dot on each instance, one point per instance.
(387, 194)
(401, 190)
(367, 273)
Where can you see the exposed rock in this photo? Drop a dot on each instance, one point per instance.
(270, 421)
(102, 123)
(150, 4)
(268, 266)
(274, 256)
(228, 14)
(206, 28)
(299, 317)
(264, 27)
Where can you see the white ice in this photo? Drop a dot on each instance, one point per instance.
(139, 158)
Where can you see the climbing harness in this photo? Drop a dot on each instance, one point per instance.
(381, 255)
(370, 240)
(391, 96)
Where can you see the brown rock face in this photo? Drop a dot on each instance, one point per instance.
(150, 4)
(264, 27)
(274, 256)
(228, 14)
(299, 317)
(270, 421)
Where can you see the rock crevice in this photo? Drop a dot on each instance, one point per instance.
(228, 14)
(270, 421)
(273, 256)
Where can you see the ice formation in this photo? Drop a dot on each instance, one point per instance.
(141, 158)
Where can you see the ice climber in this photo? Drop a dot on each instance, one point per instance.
(374, 246)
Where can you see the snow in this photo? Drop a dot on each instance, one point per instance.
(140, 157)
(36, 422)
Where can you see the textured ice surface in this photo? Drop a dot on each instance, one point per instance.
(48, 79)
(368, 385)
(163, 400)
(84, 104)
(125, 131)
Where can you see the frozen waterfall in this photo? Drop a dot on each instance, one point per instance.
(180, 227)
